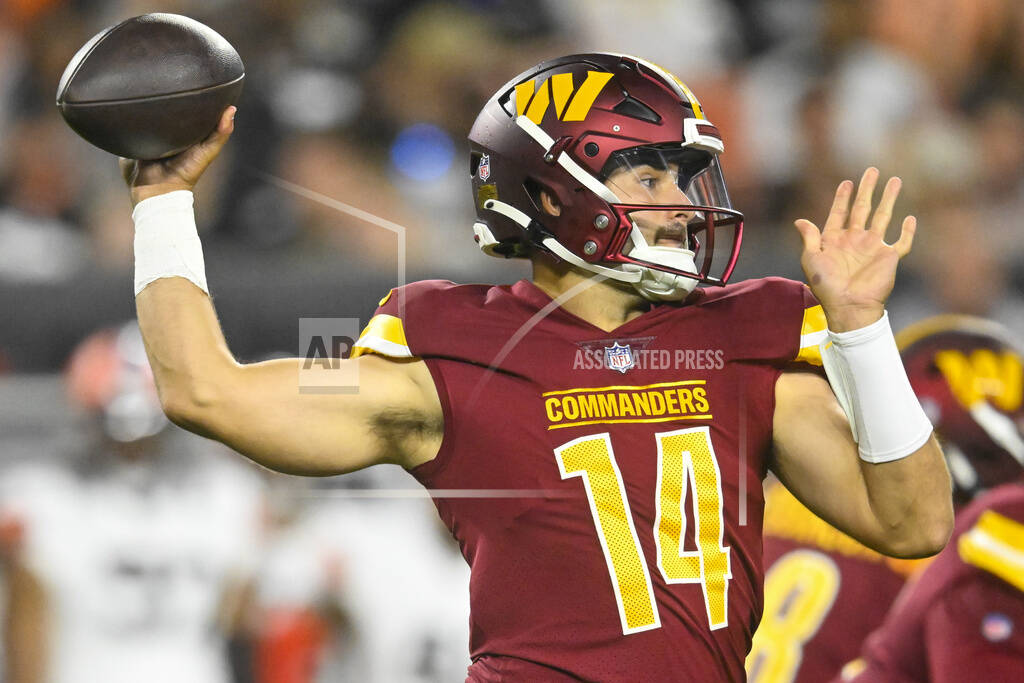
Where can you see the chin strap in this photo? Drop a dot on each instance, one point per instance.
(554, 246)
(658, 285)
(654, 285)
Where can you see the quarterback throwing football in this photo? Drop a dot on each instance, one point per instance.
(641, 561)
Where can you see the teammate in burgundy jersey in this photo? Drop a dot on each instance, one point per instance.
(962, 619)
(824, 593)
(605, 425)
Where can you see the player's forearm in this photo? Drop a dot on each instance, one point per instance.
(899, 508)
(904, 473)
(910, 499)
(186, 348)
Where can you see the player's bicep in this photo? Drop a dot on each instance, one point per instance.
(370, 410)
(815, 455)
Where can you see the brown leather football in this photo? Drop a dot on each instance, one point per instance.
(151, 86)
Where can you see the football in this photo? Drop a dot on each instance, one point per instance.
(150, 86)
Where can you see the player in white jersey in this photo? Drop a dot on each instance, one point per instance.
(126, 562)
(385, 565)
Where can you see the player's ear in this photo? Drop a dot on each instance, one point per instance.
(550, 204)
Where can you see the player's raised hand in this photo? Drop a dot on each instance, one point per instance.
(849, 266)
(181, 171)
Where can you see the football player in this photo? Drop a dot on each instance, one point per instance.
(338, 601)
(823, 594)
(128, 561)
(962, 618)
(609, 422)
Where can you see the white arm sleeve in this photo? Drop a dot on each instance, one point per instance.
(867, 376)
(166, 241)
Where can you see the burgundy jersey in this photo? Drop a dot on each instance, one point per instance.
(824, 593)
(962, 619)
(609, 496)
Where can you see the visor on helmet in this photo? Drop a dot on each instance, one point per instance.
(673, 196)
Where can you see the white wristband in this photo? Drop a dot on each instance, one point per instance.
(868, 378)
(166, 241)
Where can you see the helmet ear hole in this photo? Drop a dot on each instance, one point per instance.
(549, 204)
(474, 163)
(544, 200)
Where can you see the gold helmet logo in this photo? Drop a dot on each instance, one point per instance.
(983, 375)
(571, 103)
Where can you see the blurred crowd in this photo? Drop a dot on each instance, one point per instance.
(367, 103)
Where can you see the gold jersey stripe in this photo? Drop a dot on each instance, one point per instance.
(814, 321)
(626, 387)
(995, 544)
(628, 420)
(812, 332)
(384, 334)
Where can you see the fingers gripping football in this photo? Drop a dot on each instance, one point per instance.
(848, 264)
(181, 171)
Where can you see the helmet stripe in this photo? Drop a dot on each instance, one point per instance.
(561, 86)
(524, 92)
(697, 111)
(539, 105)
(585, 96)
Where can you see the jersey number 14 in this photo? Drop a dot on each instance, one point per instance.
(686, 459)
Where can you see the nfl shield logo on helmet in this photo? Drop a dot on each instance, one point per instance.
(484, 169)
(619, 357)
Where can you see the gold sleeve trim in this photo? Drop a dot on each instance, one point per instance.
(384, 334)
(995, 544)
(813, 330)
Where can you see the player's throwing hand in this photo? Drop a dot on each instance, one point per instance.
(849, 266)
(181, 171)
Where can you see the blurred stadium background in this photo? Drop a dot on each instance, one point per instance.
(368, 102)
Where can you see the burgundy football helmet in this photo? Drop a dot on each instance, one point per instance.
(109, 376)
(563, 128)
(969, 377)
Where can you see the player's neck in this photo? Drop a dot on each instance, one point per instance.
(605, 304)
